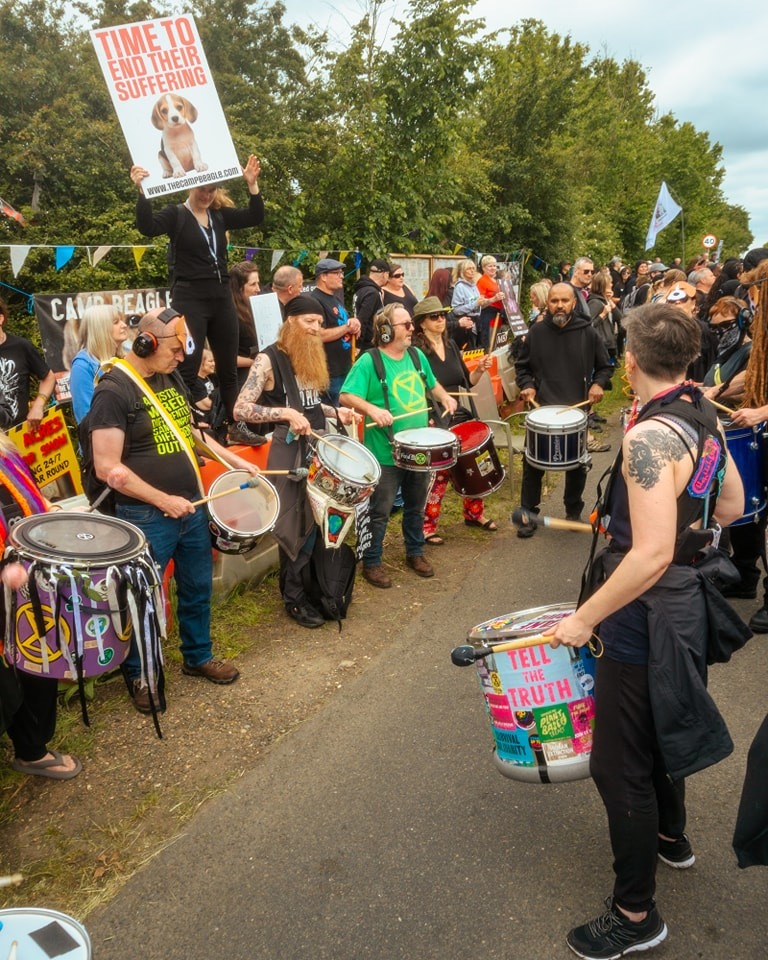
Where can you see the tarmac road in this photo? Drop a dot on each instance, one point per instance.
(382, 829)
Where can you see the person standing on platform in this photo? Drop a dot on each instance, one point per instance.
(20, 360)
(655, 722)
(198, 275)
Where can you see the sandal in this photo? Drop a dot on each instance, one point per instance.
(483, 524)
(435, 539)
(42, 767)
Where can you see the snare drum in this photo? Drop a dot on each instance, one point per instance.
(556, 438)
(239, 520)
(478, 470)
(540, 701)
(347, 478)
(90, 579)
(425, 448)
(745, 447)
(42, 934)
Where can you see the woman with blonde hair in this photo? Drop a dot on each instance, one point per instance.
(102, 333)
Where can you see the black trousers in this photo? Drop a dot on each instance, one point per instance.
(210, 314)
(747, 543)
(34, 722)
(626, 765)
(575, 481)
(293, 573)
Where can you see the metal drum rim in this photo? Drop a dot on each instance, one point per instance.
(511, 632)
(242, 534)
(34, 552)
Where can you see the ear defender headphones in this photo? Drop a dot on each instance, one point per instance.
(146, 343)
(385, 330)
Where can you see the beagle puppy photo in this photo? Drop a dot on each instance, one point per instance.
(179, 153)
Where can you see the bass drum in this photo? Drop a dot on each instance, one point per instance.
(540, 700)
(478, 471)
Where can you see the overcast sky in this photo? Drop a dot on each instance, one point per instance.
(705, 63)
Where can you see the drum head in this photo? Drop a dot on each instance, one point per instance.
(471, 434)
(523, 623)
(247, 512)
(558, 418)
(427, 437)
(356, 463)
(82, 538)
(42, 934)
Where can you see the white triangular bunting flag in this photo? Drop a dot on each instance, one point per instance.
(277, 256)
(19, 253)
(98, 254)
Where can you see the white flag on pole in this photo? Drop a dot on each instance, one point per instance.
(665, 212)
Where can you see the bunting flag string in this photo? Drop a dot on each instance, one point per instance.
(64, 254)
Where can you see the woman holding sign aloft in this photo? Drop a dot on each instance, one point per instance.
(197, 266)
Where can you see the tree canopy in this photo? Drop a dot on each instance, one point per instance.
(437, 139)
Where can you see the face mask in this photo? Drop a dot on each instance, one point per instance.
(721, 329)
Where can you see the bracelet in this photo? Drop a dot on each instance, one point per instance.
(45, 397)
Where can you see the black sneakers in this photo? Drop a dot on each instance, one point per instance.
(612, 935)
(305, 615)
(240, 433)
(759, 622)
(676, 853)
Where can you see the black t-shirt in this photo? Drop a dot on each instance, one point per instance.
(338, 352)
(18, 360)
(151, 450)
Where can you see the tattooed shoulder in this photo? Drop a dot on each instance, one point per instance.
(649, 452)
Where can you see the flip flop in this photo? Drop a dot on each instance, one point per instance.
(488, 525)
(42, 768)
(435, 539)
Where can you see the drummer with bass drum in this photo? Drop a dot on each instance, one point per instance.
(445, 359)
(285, 385)
(389, 385)
(562, 361)
(740, 380)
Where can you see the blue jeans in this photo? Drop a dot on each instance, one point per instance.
(187, 542)
(414, 487)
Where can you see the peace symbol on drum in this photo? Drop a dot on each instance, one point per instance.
(28, 638)
(408, 390)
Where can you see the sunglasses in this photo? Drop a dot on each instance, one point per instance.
(408, 324)
(397, 276)
(434, 316)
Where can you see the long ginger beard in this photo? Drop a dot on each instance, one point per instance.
(307, 355)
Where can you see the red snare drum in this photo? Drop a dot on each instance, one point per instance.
(478, 471)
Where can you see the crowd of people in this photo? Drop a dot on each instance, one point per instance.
(191, 375)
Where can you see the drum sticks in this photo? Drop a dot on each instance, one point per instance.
(526, 518)
(400, 416)
(252, 482)
(574, 406)
(466, 655)
(332, 445)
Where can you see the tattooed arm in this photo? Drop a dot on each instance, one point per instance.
(262, 378)
(657, 467)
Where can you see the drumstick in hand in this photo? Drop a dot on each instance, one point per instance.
(574, 406)
(333, 446)
(250, 482)
(400, 416)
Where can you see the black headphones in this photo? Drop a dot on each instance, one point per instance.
(146, 343)
(385, 330)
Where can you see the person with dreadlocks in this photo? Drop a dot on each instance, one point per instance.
(650, 606)
(748, 540)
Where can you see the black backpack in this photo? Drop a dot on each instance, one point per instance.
(331, 579)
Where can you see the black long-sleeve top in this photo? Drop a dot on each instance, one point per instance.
(190, 256)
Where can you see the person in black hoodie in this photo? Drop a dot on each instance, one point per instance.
(367, 300)
(562, 361)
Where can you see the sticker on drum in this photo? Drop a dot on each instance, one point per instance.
(42, 934)
(240, 519)
(425, 448)
(556, 438)
(539, 700)
(73, 607)
(348, 475)
(478, 471)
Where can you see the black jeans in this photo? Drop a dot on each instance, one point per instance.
(575, 481)
(626, 765)
(747, 542)
(210, 313)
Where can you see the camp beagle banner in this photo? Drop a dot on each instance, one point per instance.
(166, 101)
(59, 314)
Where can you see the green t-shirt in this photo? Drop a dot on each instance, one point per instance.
(405, 388)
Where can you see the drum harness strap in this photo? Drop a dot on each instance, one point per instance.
(378, 366)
